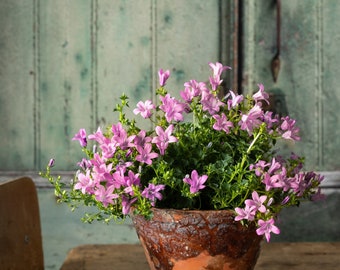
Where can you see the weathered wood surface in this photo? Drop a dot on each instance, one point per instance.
(274, 256)
(309, 70)
(64, 65)
(20, 229)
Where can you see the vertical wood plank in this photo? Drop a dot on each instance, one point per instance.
(230, 41)
(16, 77)
(65, 78)
(329, 94)
(124, 54)
(187, 39)
(71, 60)
(309, 68)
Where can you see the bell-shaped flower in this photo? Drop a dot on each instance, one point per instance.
(81, 137)
(163, 138)
(261, 94)
(144, 108)
(266, 227)
(163, 76)
(196, 182)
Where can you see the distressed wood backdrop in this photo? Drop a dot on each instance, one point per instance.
(310, 66)
(64, 64)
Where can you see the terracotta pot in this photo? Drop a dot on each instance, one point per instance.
(185, 239)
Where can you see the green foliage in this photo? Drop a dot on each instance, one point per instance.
(229, 143)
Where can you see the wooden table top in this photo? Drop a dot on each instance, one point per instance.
(274, 256)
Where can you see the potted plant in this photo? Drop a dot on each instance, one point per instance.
(203, 152)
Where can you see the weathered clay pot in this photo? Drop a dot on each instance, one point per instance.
(185, 240)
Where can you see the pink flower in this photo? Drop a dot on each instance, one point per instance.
(259, 167)
(164, 138)
(266, 227)
(289, 130)
(163, 76)
(271, 181)
(102, 173)
(299, 184)
(173, 108)
(81, 137)
(211, 104)
(247, 213)
(252, 119)
(120, 137)
(145, 154)
(270, 120)
(192, 89)
(257, 202)
(196, 182)
(152, 192)
(222, 123)
(108, 148)
(261, 94)
(234, 100)
(118, 178)
(131, 180)
(215, 80)
(51, 163)
(285, 200)
(126, 204)
(144, 108)
(105, 195)
(274, 166)
(141, 138)
(85, 183)
(99, 137)
(218, 68)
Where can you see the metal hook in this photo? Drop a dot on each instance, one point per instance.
(275, 64)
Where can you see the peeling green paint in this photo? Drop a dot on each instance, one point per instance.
(142, 88)
(79, 58)
(168, 17)
(145, 41)
(83, 56)
(179, 75)
(84, 72)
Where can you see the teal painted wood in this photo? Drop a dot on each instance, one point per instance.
(69, 62)
(309, 67)
(65, 66)
(17, 99)
(329, 91)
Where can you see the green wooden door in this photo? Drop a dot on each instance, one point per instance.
(64, 64)
(310, 65)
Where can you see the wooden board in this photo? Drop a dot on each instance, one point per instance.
(20, 230)
(274, 256)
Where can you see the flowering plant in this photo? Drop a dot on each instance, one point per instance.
(223, 158)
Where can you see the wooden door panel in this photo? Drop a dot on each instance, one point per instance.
(65, 74)
(329, 97)
(124, 59)
(64, 65)
(17, 83)
(308, 73)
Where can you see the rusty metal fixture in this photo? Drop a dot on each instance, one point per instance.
(275, 64)
(193, 239)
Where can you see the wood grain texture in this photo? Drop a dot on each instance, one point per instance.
(64, 65)
(274, 256)
(307, 78)
(20, 229)
(16, 85)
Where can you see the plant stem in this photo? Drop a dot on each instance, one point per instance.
(253, 142)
